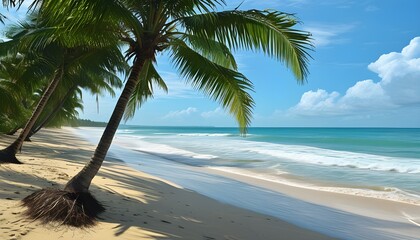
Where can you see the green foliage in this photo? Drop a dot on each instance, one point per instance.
(222, 84)
(144, 89)
(95, 67)
(87, 123)
(14, 97)
(199, 39)
(269, 31)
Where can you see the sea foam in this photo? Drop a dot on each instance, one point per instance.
(220, 150)
(328, 157)
(386, 193)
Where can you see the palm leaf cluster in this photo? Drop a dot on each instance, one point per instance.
(41, 53)
(77, 44)
(196, 35)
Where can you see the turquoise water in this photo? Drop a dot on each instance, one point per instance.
(375, 162)
(398, 142)
(378, 163)
(381, 159)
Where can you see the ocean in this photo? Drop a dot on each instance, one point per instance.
(381, 163)
(377, 162)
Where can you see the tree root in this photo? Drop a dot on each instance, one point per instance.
(66, 208)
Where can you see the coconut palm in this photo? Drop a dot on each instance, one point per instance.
(62, 57)
(62, 105)
(15, 71)
(199, 41)
(59, 113)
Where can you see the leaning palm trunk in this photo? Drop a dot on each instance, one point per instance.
(75, 206)
(52, 114)
(202, 55)
(8, 155)
(81, 182)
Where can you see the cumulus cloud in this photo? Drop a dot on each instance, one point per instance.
(312, 102)
(399, 87)
(400, 73)
(181, 113)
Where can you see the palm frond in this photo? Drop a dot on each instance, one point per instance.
(37, 33)
(272, 32)
(216, 52)
(184, 7)
(228, 87)
(73, 15)
(149, 77)
(9, 97)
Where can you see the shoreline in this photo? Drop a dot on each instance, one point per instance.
(335, 214)
(289, 180)
(356, 182)
(139, 205)
(361, 205)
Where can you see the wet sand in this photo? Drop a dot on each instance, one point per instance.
(138, 205)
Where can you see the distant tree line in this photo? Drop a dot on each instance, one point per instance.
(86, 123)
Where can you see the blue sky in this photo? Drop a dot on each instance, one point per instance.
(365, 72)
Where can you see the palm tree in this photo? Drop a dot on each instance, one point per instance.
(199, 40)
(35, 38)
(62, 106)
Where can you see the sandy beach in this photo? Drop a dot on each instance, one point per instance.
(138, 205)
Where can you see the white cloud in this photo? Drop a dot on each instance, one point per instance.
(312, 102)
(214, 113)
(327, 34)
(400, 73)
(181, 113)
(399, 87)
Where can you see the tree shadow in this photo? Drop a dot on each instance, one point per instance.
(139, 206)
(162, 212)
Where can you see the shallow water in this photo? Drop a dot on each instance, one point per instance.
(345, 166)
(375, 162)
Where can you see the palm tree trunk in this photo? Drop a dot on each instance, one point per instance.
(51, 115)
(82, 181)
(17, 144)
